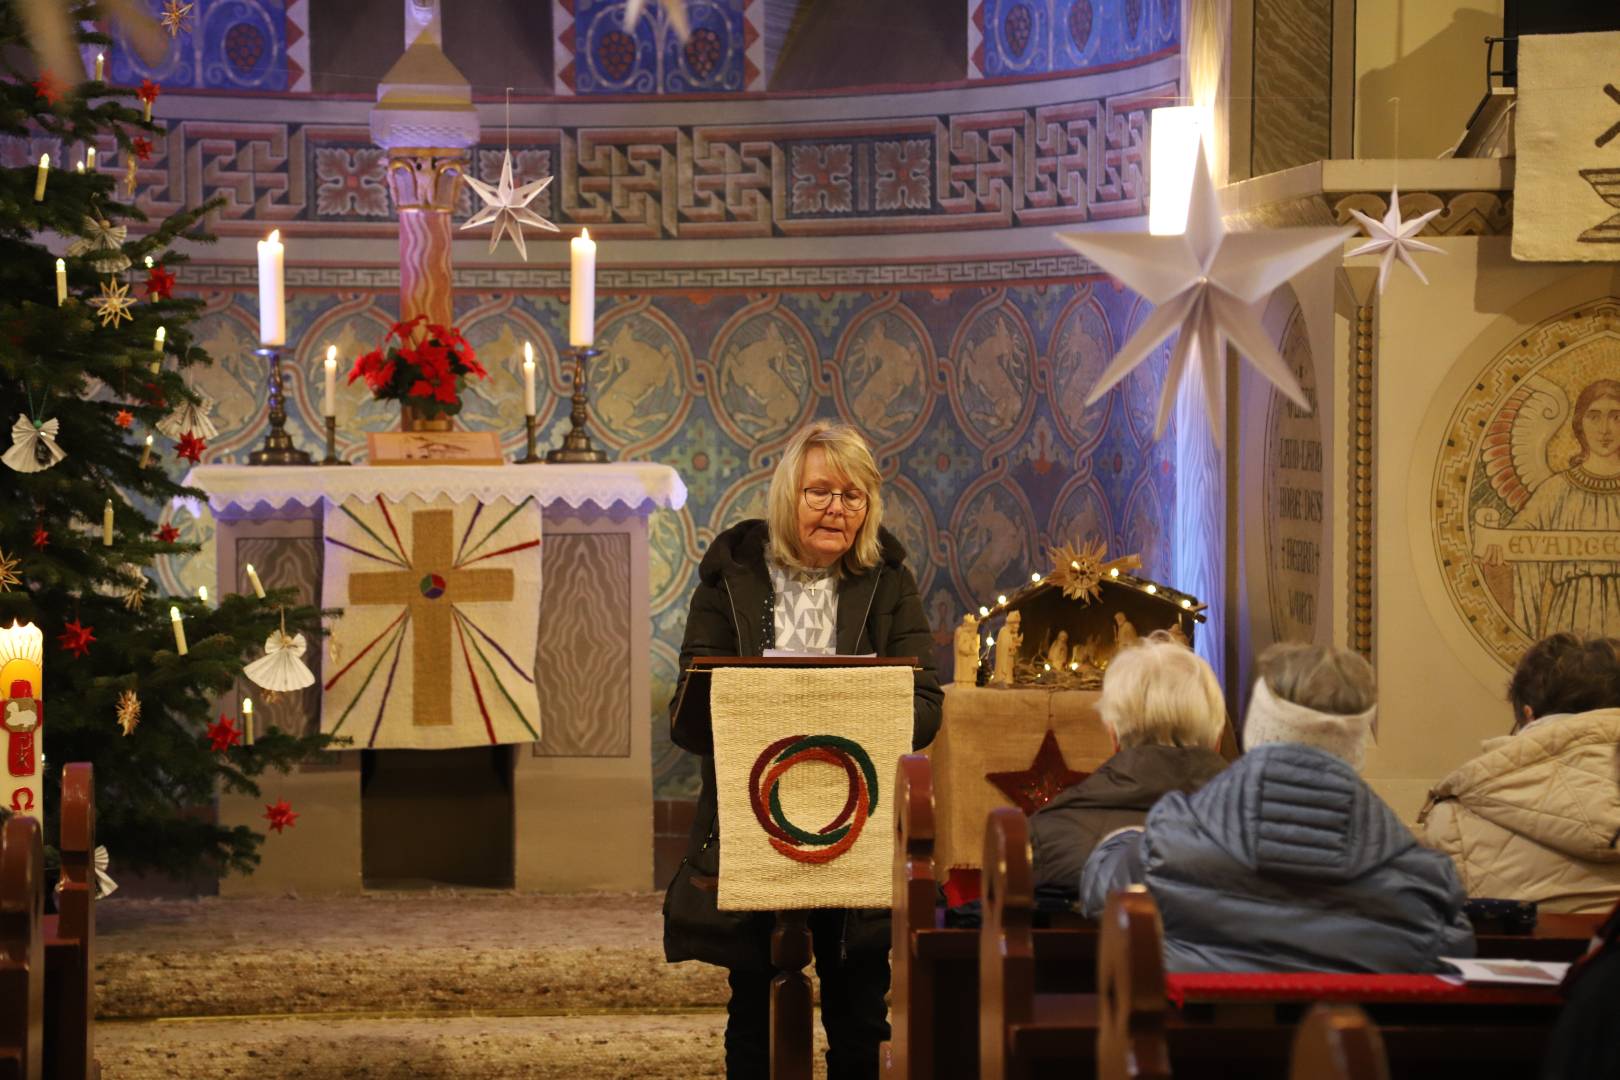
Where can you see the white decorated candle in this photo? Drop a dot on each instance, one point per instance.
(272, 293)
(582, 290)
(40, 177)
(202, 593)
(90, 159)
(253, 579)
(61, 282)
(78, 166)
(329, 401)
(159, 338)
(528, 379)
(179, 630)
(101, 67)
(247, 721)
(107, 525)
(146, 453)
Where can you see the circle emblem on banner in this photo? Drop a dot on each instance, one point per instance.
(432, 586)
(838, 835)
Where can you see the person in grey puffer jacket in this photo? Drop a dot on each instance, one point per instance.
(1288, 861)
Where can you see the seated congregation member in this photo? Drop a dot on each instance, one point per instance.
(821, 575)
(1535, 816)
(1163, 707)
(1287, 861)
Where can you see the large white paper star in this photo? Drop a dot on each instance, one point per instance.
(674, 11)
(1397, 239)
(508, 207)
(1204, 283)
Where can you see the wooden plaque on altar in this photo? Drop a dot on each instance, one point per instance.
(434, 448)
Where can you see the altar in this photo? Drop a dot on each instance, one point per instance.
(568, 811)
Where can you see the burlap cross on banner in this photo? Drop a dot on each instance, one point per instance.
(441, 610)
(804, 761)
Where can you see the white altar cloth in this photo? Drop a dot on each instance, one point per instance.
(635, 485)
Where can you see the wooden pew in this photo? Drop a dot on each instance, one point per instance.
(70, 982)
(22, 950)
(1338, 1042)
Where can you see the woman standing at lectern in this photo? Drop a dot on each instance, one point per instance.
(819, 575)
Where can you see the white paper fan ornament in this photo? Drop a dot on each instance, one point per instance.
(103, 243)
(281, 667)
(33, 446)
(192, 417)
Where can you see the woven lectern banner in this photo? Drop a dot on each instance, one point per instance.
(804, 761)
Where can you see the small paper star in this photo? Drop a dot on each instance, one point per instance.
(176, 17)
(1397, 239)
(124, 418)
(76, 638)
(141, 147)
(508, 207)
(223, 734)
(159, 284)
(168, 534)
(8, 572)
(42, 537)
(1034, 787)
(48, 88)
(129, 711)
(113, 305)
(191, 448)
(148, 91)
(674, 11)
(280, 815)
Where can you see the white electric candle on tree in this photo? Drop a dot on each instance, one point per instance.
(247, 721)
(39, 177)
(146, 453)
(253, 579)
(90, 158)
(202, 593)
(107, 525)
(61, 282)
(159, 338)
(179, 630)
(101, 67)
(272, 291)
(329, 401)
(528, 379)
(582, 290)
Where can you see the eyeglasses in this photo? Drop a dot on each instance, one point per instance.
(819, 498)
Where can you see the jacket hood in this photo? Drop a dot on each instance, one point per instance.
(742, 547)
(1138, 776)
(1286, 810)
(1556, 783)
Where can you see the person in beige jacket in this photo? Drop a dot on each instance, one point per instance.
(1536, 816)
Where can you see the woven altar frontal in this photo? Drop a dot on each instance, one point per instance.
(804, 762)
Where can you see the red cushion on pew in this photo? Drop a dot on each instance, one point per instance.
(1312, 986)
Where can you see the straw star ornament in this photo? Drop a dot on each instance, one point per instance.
(507, 205)
(113, 305)
(1204, 283)
(1395, 238)
(176, 17)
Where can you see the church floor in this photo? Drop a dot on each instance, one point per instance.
(447, 983)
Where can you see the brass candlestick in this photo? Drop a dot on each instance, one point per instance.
(278, 446)
(331, 457)
(576, 447)
(529, 429)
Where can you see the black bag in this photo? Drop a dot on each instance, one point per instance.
(696, 929)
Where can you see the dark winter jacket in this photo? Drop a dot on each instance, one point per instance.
(1287, 861)
(1119, 794)
(732, 615)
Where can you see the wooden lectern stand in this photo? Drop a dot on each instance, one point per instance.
(792, 1018)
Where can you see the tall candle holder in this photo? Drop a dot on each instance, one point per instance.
(278, 446)
(530, 427)
(576, 448)
(331, 457)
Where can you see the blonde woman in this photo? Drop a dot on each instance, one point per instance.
(820, 574)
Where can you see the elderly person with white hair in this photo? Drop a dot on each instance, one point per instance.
(819, 575)
(1288, 861)
(1163, 707)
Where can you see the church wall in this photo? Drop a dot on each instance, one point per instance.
(1400, 47)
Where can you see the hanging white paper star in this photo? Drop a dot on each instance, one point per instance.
(1397, 239)
(674, 11)
(508, 207)
(1203, 283)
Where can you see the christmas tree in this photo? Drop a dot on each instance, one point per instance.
(93, 357)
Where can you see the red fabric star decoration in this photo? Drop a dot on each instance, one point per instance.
(168, 534)
(142, 148)
(191, 448)
(1034, 787)
(124, 418)
(48, 88)
(42, 537)
(148, 91)
(159, 284)
(76, 638)
(280, 815)
(223, 734)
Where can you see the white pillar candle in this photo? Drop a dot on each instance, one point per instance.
(528, 379)
(582, 290)
(253, 579)
(329, 401)
(247, 721)
(101, 67)
(272, 294)
(107, 525)
(61, 282)
(146, 453)
(90, 159)
(202, 593)
(39, 177)
(179, 630)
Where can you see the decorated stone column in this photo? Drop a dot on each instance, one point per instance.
(426, 122)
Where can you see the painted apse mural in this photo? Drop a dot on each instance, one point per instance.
(968, 375)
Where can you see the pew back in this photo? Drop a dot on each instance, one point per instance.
(22, 949)
(70, 985)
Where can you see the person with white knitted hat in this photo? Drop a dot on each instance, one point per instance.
(1288, 861)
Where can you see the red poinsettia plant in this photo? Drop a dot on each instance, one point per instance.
(421, 364)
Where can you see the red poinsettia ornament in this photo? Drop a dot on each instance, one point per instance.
(223, 734)
(280, 814)
(421, 364)
(76, 637)
(159, 284)
(190, 447)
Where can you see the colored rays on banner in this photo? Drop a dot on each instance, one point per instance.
(837, 836)
(441, 617)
